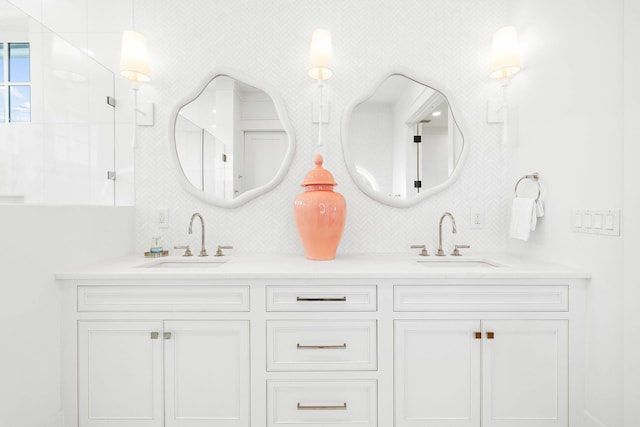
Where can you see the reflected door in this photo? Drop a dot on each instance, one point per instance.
(213, 165)
(263, 154)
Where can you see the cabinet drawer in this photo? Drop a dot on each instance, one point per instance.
(481, 298)
(322, 403)
(163, 298)
(320, 345)
(325, 298)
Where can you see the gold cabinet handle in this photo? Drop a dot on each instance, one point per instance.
(323, 347)
(490, 335)
(166, 335)
(478, 335)
(342, 407)
(338, 299)
(154, 335)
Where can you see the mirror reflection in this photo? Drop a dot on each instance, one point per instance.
(402, 142)
(230, 141)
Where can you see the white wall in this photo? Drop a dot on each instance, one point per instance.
(38, 241)
(570, 110)
(631, 207)
(269, 41)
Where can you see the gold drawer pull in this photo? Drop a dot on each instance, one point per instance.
(338, 299)
(342, 407)
(324, 347)
(490, 335)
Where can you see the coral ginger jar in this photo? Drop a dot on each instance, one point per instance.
(320, 214)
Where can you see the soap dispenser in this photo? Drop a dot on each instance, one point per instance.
(320, 214)
(156, 246)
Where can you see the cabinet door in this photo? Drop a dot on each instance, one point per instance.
(525, 373)
(207, 373)
(437, 373)
(120, 373)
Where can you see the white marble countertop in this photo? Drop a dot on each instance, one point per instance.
(347, 266)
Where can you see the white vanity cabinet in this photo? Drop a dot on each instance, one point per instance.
(350, 347)
(322, 355)
(513, 372)
(161, 355)
(490, 356)
(197, 370)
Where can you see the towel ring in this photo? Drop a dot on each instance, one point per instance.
(533, 177)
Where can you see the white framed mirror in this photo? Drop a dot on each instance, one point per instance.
(403, 140)
(231, 140)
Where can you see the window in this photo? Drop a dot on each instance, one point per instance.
(15, 82)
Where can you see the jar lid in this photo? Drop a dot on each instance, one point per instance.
(318, 175)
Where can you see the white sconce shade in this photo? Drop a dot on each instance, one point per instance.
(505, 55)
(134, 57)
(320, 55)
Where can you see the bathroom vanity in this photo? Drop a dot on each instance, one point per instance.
(375, 340)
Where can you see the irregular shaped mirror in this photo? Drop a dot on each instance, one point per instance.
(402, 142)
(231, 141)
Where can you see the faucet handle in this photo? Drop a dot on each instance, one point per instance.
(423, 252)
(456, 252)
(220, 248)
(187, 250)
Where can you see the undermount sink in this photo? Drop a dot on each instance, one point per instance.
(458, 263)
(195, 262)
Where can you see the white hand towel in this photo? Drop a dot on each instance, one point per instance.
(523, 218)
(539, 209)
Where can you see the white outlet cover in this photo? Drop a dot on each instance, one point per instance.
(163, 218)
(476, 218)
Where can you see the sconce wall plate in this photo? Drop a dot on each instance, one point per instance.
(145, 112)
(494, 110)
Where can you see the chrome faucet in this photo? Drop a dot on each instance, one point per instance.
(453, 223)
(203, 251)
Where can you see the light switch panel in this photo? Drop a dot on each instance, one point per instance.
(596, 221)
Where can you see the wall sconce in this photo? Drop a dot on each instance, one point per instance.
(134, 66)
(134, 57)
(320, 57)
(505, 62)
(505, 54)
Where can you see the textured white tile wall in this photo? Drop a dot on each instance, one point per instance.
(449, 41)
